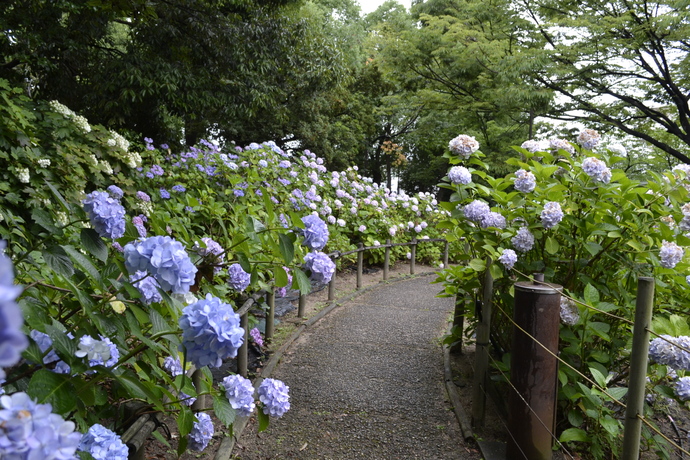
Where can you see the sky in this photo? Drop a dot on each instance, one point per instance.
(370, 5)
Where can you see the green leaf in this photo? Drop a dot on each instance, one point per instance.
(600, 329)
(244, 262)
(223, 410)
(610, 424)
(478, 265)
(55, 389)
(591, 294)
(552, 245)
(58, 260)
(598, 377)
(574, 434)
(43, 219)
(593, 248)
(575, 418)
(185, 421)
(287, 248)
(83, 262)
(280, 277)
(264, 420)
(93, 243)
(303, 283)
(617, 392)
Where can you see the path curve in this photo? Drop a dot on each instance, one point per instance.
(367, 381)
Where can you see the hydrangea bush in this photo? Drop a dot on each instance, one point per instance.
(571, 213)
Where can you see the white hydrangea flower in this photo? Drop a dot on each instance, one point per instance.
(23, 175)
(570, 315)
(44, 162)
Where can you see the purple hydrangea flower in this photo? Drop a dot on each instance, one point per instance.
(118, 247)
(213, 251)
(274, 396)
(523, 241)
(320, 265)
(179, 188)
(173, 366)
(31, 431)
(508, 258)
(165, 259)
(682, 388)
(531, 146)
(99, 352)
(164, 194)
(588, 138)
(157, 170)
(147, 286)
(570, 314)
(103, 444)
(493, 219)
(138, 222)
(561, 144)
(460, 175)
(240, 394)
(315, 232)
(106, 214)
(201, 433)
(12, 340)
(256, 337)
(670, 254)
(463, 145)
(238, 279)
(525, 181)
(45, 343)
(143, 196)
(211, 332)
(115, 192)
(476, 210)
(551, 215)
(596, 169)
(666, 350)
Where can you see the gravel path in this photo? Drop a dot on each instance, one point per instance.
(367, 382)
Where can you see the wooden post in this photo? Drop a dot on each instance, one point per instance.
(360, 260)
(200, 403)
(445, 255)
(301, 305)
(242, 353)
(481, 355)
(386, 259)
(413, 256)
(459, 322)
(331, 286)
(270, 315)
(638, 367)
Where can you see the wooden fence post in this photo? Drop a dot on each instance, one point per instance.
(331, 286)
(360, 259)
(638, 367)
(386, 259)
(481, 355)
(301, 305)
(243, 352)
(413, 255)
(270, 315)
(445, 255)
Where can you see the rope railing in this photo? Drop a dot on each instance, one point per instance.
(662, 435)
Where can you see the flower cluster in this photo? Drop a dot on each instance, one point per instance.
(211, 332)
(147, 286)
(202, 432)
(320, 265)
(682, 388)
(12, 339)
(570, 314)
(45, 343)
(596, 169)
(493, 219)
(240, 394)
(274, 396)
(173, 366)
(476, 210)
(31, 431)
(99, 352)
(463, 145)
(532, 146)
(666, 350)
(551, 215)
(523, 241)
(561, 144)
(588, 138)
(525, 181)
(106, 214)
(508, 258)
(165, 259)
(459, 175)
(213, 251)
(238, 279)
(103, 444)
(670, 254)
(256, 337)
(315, 232)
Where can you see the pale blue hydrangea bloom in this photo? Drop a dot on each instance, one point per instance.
(31, 431)
(561, 144)
(670, 254)
(460, 175)
(238, 279)
(99, 352)
(532, 146)
(476, 210)
(666, 350)
(202, 432)
(240, 394)
(493, 219)
(44, 343)
(525, 181)
(173, 366)
(596, 169)
(320, 265)
(508, 258)
(147, 286)
(523, 241)
(12, 340)
(315, 232)
(588, 138)
(103, 444)
(551, 215)
(213, 251)
(115, 192)
(682, 388)
(275, 397)
(463, 146)
(165, 258)
(570, 314)
(211, 332)
(106, 214)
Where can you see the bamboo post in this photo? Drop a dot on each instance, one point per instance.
(200, 403)
(459, 322)
(638, 367)
(270, 315)
(301, 305)
(445, 254)
(386, 259)
(242, 353)
(360, 260)
(331, 286)
(413, 255)
(481, 356)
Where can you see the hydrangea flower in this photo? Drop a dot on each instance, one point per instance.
(670, 254)
(523, 241)
(320, 265)
(493, 219)
(173, 366)
(460, 175)
(274, 396)
(666, 350)
(597, 170)
(463, 145)
(115, 192)
(238, 279)
(315, 232)
(508, 258)
(682, 388)
(476, 210)
(12, 340)
(138, 222)
(362, 228)
(282, 292)
(147, 286)
(570, 314)
(256, 337)
(588, 138)
(211, 332)
(240, 394)
(213, 251)
(163, 257)
(99, 352)
(525, 181)
(532, 146)
(202, 432)
(44, 343)
(561, 144)
(164, 194)
(31, 431)
(551, 215)
(103, 444)
(106, 214)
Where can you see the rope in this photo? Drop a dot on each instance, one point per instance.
(656, 430)
(667, 340)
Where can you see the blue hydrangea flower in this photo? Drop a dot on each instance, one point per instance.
(103, 444)
(666, 350)
(201, 433)
(179, 188)
(12, 340)
(682, 388)
(508, 258)
(588, 138)
(238, 279)
(460, 175)
(596, 169)
(570, 314)
(551, 215)
(106, 214)
(274, 396)
(213, 251)
(320, 265)
(476, 210)
(173, 366)
(240, 394)
(525, 181)
(99, 352)
(211, 332)
(143, 196)
(165, 259)
(523, 241)
(45, 343)
(463, 146)
(164, 194)
(115, 192)
(531, 146)
(493, 219)
(147, 286)
(670, 254)
(315, 232)
(282, 292)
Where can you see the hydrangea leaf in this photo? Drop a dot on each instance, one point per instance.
(264, 420)
(574, 434)
(303, 283)
(58, 261)
(223, 410)
(93, 243)
(55, 389)
(83, 262)
(43, 219)
(286, 247)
